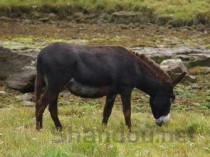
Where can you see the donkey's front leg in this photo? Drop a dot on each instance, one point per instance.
(126, 101)
(110, 98)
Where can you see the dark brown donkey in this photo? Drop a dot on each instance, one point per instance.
(93, 72)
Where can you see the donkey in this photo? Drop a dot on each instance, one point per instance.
(97, 71)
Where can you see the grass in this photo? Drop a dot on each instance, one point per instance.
(187, 11)
(187, 134)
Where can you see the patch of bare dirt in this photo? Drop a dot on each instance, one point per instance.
(111, 34)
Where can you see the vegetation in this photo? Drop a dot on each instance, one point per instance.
(187, 134)
(186, 12)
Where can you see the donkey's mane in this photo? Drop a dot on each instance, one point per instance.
(152, 67)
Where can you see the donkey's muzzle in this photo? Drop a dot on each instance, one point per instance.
(163, 119)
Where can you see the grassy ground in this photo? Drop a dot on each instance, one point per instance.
(178, 11)
(187, 134)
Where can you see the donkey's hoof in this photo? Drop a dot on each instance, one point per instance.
(38, 126)
(59, 128)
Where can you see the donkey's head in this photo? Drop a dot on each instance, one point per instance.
(161, 102)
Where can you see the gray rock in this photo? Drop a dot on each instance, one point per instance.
(174, 67)
(5, 19)
(17, 69)
(200, 70)
(23, 81)
(44, 19)
(25, 97)
(28, 103)
(195, 86)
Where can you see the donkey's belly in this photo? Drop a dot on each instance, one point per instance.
(86, 91)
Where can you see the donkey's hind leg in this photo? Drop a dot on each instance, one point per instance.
(47, 98)
(53, 109)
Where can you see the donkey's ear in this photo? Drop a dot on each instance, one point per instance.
(178, 79)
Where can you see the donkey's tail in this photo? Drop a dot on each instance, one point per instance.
(39, 83)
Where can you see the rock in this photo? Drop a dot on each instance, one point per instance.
(124, 17)
(17, 69)
(23, 81)
(6, 19)
(133, 17)
(200, 70)
(2, 92)
(190, 78)
(28, 103)
(47, 17)
(173, 65)
(200, 60)
(44, 19)
(26, 97)
(195, 86)
(52, 16)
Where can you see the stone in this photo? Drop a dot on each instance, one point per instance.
(44, 19)
(17, 69)
(200, 70)
(195, 86)
(2, 92)
(23, 82)
(190, 78)
(25, 97)
(127, 17)
(28, 103)
(6, 19)
(173, 66)
(200, 60)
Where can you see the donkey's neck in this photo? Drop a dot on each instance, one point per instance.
(149, 84)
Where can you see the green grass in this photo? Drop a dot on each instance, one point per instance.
(84, 136)
(178, 10)
(187, 133)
